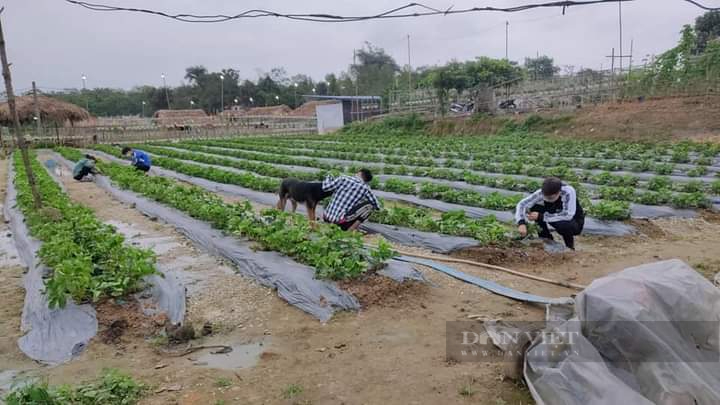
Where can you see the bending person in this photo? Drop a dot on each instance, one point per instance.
(555, 204)
(85, 167)
(140, 159)
(352, 201)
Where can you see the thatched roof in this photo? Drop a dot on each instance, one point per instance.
(181, 117)
(51, 110)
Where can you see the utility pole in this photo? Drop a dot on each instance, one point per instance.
(37, 111)
(167, 94)
(409, 67)
(621, 32)
(507, 31)
(37, 202)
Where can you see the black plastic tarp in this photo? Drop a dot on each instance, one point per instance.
(410, 237)
(52, 336)
(295, 283)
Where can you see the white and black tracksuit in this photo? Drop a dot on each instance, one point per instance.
(565, 215)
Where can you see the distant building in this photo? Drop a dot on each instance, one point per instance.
(355, 108)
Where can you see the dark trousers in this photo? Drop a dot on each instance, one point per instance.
(83, 172)
(142, 167)
(567, 229)
(360, 212)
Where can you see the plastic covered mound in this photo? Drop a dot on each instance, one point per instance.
(645, 335)
(295, 283)
(52, 336)
(410, 237)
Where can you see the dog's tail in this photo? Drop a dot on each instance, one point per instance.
(283, 194)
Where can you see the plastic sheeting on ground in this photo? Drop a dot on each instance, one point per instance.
(592, 226)
(638, 211)
(645, 335)
(295, 283)
(52, 336)
(165, 292)
(410, 237)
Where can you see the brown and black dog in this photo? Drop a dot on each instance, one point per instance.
(310, 193)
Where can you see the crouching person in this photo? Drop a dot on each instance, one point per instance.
(140, 159)
(85, 168)
(556, 205)
(352, 201)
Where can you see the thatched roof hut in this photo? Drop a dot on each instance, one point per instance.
(51, 110)
(169, 118)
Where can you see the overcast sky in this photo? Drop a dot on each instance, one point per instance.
(54, 42)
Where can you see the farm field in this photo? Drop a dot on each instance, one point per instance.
(454, 195)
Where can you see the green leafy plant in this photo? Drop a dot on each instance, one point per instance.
(89, 260)
(113, 388)
(332, 252)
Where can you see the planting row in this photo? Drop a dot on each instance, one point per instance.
(88, 259)
(683, 152)
(421, 156)
(660, 189)
(333, 253)
(485, 230)
(509, 165)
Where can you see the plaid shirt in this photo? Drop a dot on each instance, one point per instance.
(348, 192)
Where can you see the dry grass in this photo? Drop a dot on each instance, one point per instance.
(51, 110)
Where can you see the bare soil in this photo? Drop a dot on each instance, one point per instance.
(392, 351)
(662, 119)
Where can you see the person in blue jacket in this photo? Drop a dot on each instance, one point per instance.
(140, 159)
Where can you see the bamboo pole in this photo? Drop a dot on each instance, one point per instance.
(493, 267)
(37, 201)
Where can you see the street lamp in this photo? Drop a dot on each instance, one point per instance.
(277, 98)
(84, 79)
(252, 101)
(143, 109)
(222, 93)
(296, 86)
(313, 90)
(167, 94)
(192, 104)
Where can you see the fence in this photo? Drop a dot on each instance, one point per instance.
(566, 92)
(247, 126)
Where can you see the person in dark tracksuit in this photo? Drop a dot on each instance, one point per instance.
(85, 167)
(556, 205)
(140, 159)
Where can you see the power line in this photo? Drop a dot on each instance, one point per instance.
(406, 11)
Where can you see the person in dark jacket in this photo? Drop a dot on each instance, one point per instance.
(85, 167)
(140, 159)
(555, 204)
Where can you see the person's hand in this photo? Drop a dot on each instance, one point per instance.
(533, 216)
(523, 230)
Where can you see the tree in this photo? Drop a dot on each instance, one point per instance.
(707, 28)
(374, 70)
(542, 67)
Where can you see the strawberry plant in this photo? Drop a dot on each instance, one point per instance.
(617, 210)
(88, 259)
(331, 251)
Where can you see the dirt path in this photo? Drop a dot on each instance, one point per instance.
(391, 352)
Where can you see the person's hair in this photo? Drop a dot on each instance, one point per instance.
(366, 175)
(551, 186)
(91, 157)
(125, 150)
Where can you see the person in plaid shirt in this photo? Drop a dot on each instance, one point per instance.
(352, 201)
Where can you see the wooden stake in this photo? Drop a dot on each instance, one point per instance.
(37, 111)
(16, 121)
